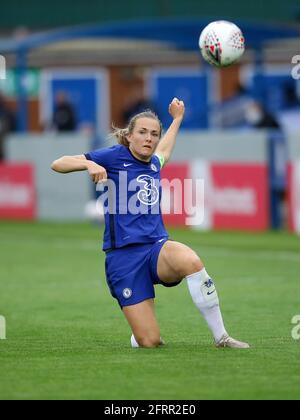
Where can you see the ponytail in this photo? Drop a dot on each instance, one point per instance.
(121, 135)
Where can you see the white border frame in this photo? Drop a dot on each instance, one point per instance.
(213, 85)
(248, 70)
(103, 97)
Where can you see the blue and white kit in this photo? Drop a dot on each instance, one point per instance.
(134, 229)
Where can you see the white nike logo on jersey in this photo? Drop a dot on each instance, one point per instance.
(127, 164)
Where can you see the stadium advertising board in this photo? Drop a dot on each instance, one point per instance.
(173, 198)
(17, 192)
(240, 196)
(235, 196)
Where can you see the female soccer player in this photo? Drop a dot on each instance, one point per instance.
(139, 253)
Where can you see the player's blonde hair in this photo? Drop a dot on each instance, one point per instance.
(122, 133)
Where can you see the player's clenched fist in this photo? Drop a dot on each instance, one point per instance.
(97, 173)
(177, 108)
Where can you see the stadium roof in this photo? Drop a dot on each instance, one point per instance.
(167, 36)
(182, 34)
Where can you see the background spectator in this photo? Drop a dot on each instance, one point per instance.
(7, 123)
(136, 104)
(64, 117)
(258, 117)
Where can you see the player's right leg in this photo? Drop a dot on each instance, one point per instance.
(176, 261)
(142, 320)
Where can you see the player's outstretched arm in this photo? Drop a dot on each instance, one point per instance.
(167, 143)
(67, 164)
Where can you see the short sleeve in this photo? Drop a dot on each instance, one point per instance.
(161, 161)
(103, 157)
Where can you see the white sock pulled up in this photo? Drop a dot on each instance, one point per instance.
(205, 297)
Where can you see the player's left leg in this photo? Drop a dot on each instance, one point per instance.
(177, 261)
(142, 320)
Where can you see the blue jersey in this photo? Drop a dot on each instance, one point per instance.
(131, 197)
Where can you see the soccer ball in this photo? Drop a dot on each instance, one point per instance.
(222, 43)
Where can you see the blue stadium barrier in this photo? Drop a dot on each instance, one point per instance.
(278, 159)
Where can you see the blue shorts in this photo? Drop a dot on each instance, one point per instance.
(131, 272)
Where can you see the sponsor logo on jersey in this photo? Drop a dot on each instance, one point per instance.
(149, 194)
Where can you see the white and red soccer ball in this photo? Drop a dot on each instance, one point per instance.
(222, 43)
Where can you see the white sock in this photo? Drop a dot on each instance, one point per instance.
(134, 343)
(205, 297)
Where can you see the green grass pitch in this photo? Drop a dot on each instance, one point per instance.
(67, 339)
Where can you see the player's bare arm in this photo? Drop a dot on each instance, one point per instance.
(167, 143)
(67, 164)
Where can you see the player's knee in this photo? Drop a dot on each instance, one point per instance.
(149, 341)
(194, 265)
